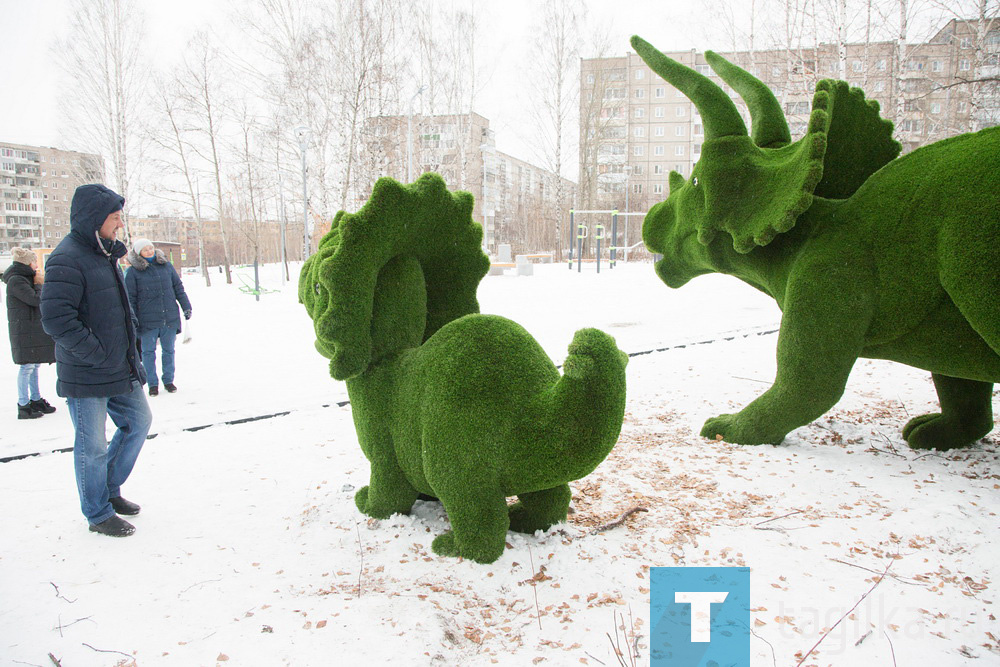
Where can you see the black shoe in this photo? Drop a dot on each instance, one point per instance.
(41, 405)
(170, 386)
(122, 506)
(115, 527)
(153, 390)
(27, 412)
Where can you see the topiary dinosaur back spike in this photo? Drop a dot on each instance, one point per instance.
(399, 225)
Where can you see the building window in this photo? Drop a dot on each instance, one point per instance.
(640, 93)
(639, 74)
(640, 112)
(880, 65)
(914, 65)
(963, 65)
(657, 188)
(639, 132)
(657, 168)
(658, 112)
(590, 78)
(679, 131)
(910, 106)
(936, 66)
(879, 86)
(679, 168)
(637, 170)
(637, 188)
(698, 130)
(856, 65)
(966, 43)
(962, 107)
(696, 149)
(658, 150)
(614, 93)
(638, 150)
(658, 92)
(703, 69)
(658, 131)
(935, 107)
(679, 150)
(680, 111)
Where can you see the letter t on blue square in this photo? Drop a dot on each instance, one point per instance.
(700, 617)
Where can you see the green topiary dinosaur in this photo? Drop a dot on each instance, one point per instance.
(447, 402)
(867, 255)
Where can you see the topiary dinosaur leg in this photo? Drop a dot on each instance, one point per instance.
(478, 526)
(966, 415)
(826, 314)
(388, 491)
(540, 509)
(969, 273)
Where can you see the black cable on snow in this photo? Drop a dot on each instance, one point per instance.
(340, 404)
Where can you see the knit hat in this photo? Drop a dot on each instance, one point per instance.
(23, 255)
(139, 244)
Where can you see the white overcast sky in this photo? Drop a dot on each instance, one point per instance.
(30, 79)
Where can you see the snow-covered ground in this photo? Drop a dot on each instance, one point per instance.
(249, 549)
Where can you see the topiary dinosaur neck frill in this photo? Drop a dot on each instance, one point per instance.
(389, 276)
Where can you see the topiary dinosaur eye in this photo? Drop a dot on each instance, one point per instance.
(316, 289)
(694, 181)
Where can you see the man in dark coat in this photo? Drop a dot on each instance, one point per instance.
(154, 290)
(86, 311)
(29, 344)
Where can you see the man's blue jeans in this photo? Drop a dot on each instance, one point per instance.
(27, 384)
(167, 336)
(102, 468)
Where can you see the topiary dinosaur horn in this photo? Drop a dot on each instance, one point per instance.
(768, 128)
(718, 112)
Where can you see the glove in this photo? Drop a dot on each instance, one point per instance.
(187, 314)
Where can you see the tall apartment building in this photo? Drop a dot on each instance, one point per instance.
(36, 188)
(516, 202)
(635, 128)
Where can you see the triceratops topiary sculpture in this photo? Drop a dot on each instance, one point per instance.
(867, 255)
(449, 403)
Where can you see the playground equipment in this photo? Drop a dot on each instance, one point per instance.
(580, 231)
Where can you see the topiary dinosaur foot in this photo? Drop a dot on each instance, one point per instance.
(936, 431)
(736, 430)
(966, 415)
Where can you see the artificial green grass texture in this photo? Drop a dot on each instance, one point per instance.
(867, 254)
(447, 402)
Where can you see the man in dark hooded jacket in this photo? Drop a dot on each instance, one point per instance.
(86, 311)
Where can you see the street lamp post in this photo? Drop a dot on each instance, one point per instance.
(302, 133)
(409, 135)
(628, 171)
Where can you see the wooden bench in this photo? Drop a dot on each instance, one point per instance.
(544, 257)
(497, 268)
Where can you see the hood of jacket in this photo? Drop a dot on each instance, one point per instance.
(140, 263)
(18, 269)
(92, 204)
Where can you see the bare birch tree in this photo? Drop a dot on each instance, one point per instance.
(553, 85)
(200, 88)
(104, 87)
(173, 140)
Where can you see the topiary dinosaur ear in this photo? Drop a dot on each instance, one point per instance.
(754, 193)
(423, 221)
